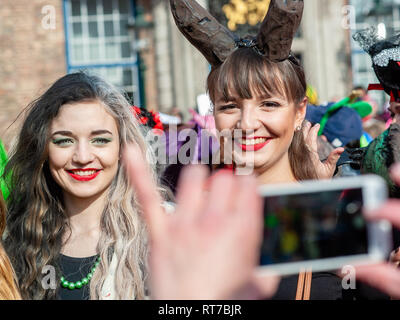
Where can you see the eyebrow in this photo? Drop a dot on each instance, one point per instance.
(226, 99)
(93, 133)
(233, 99)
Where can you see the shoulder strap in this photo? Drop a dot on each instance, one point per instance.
(300, 286)
(307, 285)
(304, 285)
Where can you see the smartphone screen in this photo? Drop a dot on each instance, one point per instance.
(316, 225)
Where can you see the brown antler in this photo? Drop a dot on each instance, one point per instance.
(279, 27)
(211, 38)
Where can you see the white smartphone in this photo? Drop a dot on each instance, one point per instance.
(320, 225)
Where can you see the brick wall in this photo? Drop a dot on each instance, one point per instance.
(32, 56)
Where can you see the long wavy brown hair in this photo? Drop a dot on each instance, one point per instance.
(8, 286)
(246, 73)
(37, 221)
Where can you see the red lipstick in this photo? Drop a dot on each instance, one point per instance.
(254, 147)
(78, 177)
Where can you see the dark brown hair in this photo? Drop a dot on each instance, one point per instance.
(246, 73)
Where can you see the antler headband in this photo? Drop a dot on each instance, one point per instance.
(216, 43)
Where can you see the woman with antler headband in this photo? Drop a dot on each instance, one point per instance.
(258, 89)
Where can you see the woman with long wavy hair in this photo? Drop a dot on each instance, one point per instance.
(8, 285)
(73, 216)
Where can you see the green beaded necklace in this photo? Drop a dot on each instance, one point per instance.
(84, 281)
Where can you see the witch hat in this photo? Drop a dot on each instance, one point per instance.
(385, 54)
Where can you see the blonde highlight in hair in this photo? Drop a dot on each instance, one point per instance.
(123, 230)
(8, 285)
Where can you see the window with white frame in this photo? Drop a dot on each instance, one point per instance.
(98, 41)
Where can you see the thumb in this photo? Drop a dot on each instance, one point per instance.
(334, 157)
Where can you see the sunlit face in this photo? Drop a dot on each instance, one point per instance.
(266, 126)
(84, 149)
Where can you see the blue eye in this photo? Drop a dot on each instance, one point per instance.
(63, 141)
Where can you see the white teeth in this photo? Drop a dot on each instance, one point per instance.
(252, 142)
(84, 173)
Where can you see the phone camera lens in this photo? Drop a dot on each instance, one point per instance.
(352, 207)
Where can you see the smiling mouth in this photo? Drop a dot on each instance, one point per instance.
(84, 174)
(252, 144)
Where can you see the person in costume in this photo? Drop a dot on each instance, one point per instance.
(383, 151)
(217, 44)
(258, 87)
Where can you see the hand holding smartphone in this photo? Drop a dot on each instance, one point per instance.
(320, 225)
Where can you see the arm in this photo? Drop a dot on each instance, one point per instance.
(209, 247)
